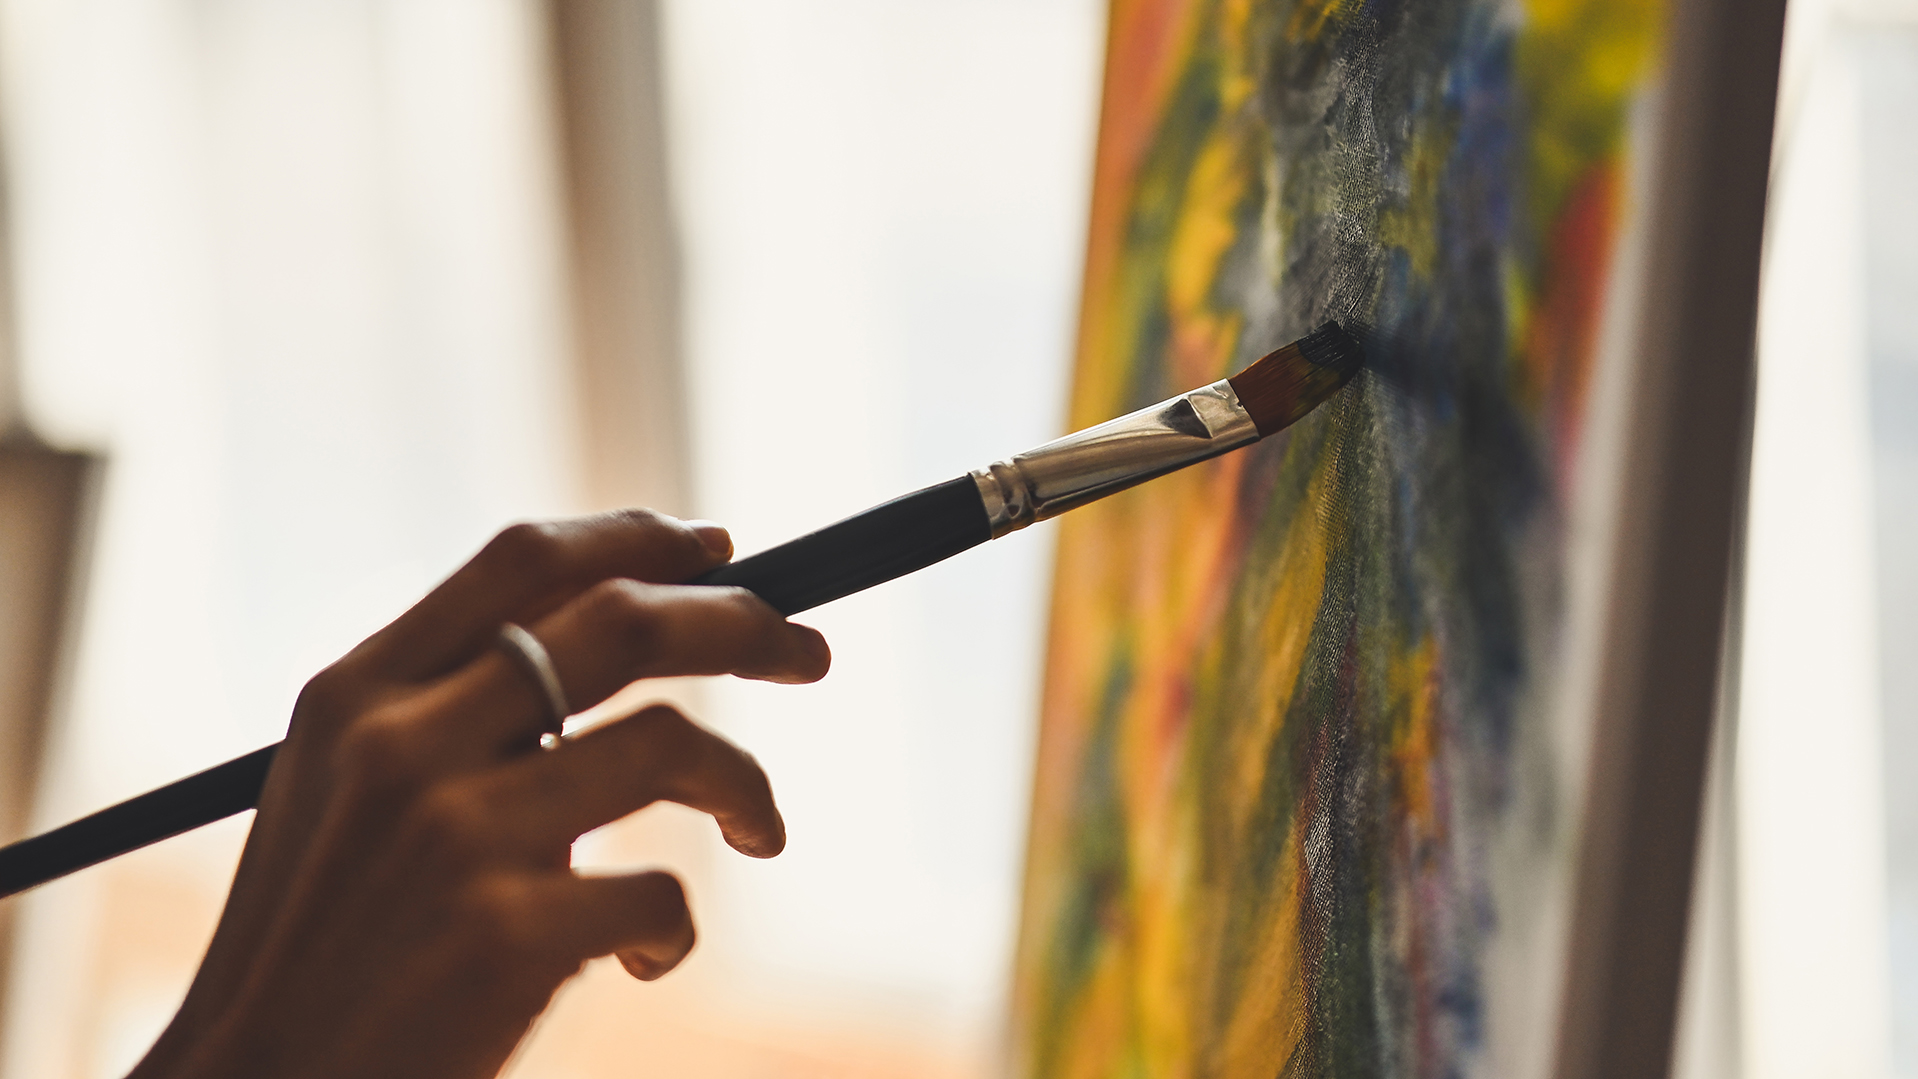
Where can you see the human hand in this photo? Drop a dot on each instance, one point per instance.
(405, 904)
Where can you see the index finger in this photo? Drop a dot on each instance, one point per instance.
(531, 569)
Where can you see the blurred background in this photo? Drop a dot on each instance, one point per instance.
(304, 299)
(328, 291)
(1807, 924)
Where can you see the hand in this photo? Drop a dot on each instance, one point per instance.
(405, 904)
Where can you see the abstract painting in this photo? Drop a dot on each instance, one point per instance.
(1299, 775)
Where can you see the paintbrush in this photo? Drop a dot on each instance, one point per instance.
(890, 540)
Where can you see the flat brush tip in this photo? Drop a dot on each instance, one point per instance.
(1285, 385)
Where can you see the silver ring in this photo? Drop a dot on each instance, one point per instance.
(532, 658)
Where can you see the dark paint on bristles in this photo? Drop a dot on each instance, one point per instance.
(1285, 385)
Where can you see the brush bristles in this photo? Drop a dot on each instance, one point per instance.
(1285, 385)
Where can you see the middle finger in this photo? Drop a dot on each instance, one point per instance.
(616, 633)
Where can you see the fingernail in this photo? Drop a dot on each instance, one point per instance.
(714, 536)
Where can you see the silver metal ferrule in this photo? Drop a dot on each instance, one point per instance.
(1091, 464)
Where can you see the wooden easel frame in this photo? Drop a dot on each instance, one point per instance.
(1679, 522)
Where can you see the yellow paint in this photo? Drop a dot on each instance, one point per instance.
(1414, 690)
(1286, 628)
(1203, 337)
(1413, 225)
(1164, 947)
(1097, 1028)
(1309, 19)
(1208, 223)
(1268, 1018)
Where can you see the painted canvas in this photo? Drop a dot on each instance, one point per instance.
(1299, 777)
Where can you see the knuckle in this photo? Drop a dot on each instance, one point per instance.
(499, 911)
(329, 697)
(527, 549)
(775, 638)
(666, 732)
(757, 630)
(752, 613)
(666, 895)
(453, 819)
(755, 774)
(385, 751)
(691, 760)
(627, 613)
(658, 530)
(746, 605)
(643, 519)
(743, 774)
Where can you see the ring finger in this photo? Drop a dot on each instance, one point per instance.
(549, 799)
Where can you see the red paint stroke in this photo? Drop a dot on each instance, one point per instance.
(1563, 337)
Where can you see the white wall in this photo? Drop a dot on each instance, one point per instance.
(1812, 912)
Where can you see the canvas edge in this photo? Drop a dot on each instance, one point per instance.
(1015, 1038)
(1678, 519)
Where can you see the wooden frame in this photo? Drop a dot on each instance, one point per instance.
(1679, 522)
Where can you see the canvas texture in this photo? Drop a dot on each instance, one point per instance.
(1300, 785)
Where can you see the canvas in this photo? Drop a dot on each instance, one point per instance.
(1302, 804)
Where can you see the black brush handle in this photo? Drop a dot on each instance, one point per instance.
(180, 806)
(890, 540)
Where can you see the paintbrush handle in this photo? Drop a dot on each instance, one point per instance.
(890, 540)
(180, 806)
